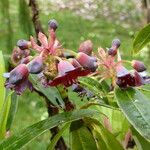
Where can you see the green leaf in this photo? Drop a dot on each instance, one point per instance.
(2, 81)
(4, 116)
(92, 82)
(141, 143)
(53, 142)
(19, 140)
(105, 139)
(99, 89)
(118, 122)
(12, 111)
(80, 137)
(142, 39)
(136, 108)
(99, 141)
(51, 93)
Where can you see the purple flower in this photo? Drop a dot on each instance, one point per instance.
(68, 74)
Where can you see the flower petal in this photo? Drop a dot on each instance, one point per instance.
(69, 78)
(43, 39)
(34, 45)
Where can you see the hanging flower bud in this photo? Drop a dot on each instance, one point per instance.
(114, 47)
(18, 74)
(116, 43)
(18, 79)
(124, 78)
(138, 66)
(67, 74)
(74, 62)
(23, 44)
(53, 24)
(36, 65)
(86, 61)
(112, 51)
(86, 47)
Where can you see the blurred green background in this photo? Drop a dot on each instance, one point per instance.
(98, 20)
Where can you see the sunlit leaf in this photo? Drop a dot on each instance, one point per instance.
(12, 111)
(142, 39)
(117, 120)
(2, 81)
(135, 106)
(18, 140)
(4, 115)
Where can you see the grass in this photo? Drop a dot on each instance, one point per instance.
(72, 30)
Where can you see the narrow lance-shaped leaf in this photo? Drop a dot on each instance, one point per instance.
(4, 116)
(135, 106)
(142, 39)
(2, 81)
(18, 140)
(12, 111)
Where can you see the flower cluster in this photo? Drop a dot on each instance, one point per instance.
(112, 66)
(50, 62)
(55, 67)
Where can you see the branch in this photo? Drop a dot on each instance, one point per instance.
(35, 17)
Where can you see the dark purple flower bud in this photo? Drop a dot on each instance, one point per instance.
(116, 43)
(53, 24)
(86, 47)
(114, 47)
(112, 51)
(18, 74)
(36, 65)
(138, 66)
(86, 61)
(23, 44)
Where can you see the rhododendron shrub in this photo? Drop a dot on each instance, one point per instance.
(99, 78)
